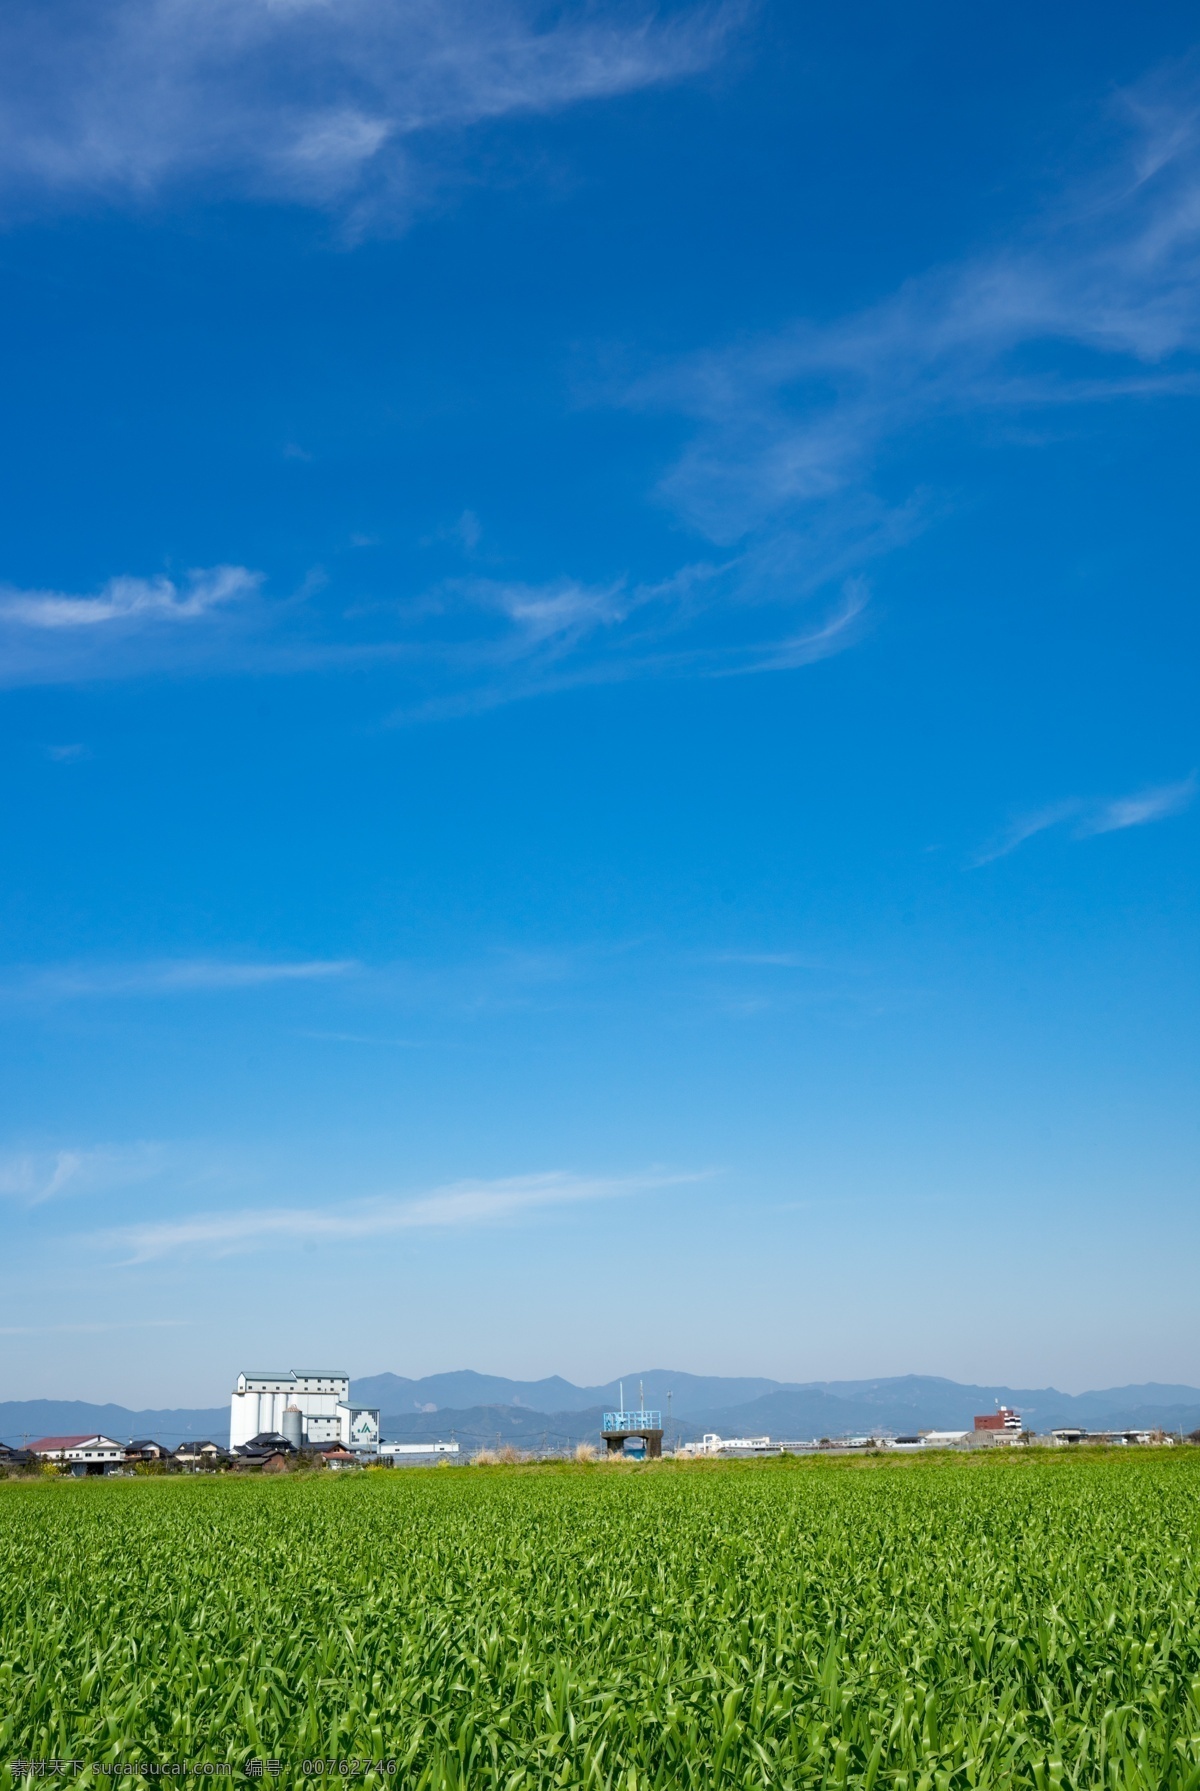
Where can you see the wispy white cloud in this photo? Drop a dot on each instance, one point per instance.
(840, 628)
(170, 976)
(359, 1038)
(769, 960)
(1026, 827)
(554, 615)
(35, 1176)
(1093, 817)
(456, 1206)
(1147, 805)
(792, 475)
(130, 600)
(97, 1328)
(795, 425)
(563, 634)
(1094, 299)
(338, 105)
(130, 626)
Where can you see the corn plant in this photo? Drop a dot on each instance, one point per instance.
(1027, 1621)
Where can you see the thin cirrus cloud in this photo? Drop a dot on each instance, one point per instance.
(342, 106)
(171, 976)
(128, 600)
(457, 1206)
(1094, 299)
(99, 1328)
(467, 644)
(1088, 818)
(790, 429)
(562, 634)
(1135, 811)
(35, 1176)
(130, 625)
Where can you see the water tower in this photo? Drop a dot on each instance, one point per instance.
(617, 1427)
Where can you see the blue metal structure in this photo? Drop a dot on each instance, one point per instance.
(630, 1423)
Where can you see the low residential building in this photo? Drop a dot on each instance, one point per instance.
(201, 1453)
(259, 1449)
(339, 1458)
(146, 1449)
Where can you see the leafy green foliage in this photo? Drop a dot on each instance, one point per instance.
(1028, 1621)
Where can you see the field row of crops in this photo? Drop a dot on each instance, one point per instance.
(925, 1624)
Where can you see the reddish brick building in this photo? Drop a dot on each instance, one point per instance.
(1003, 1418)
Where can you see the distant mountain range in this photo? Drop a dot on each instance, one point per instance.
(24, 1420)
(465, 1389)
(481, 1408)
(782, 1409)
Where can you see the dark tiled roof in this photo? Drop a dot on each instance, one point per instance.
(267, 1442)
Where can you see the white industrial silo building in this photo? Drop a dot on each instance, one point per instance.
(320, 1396)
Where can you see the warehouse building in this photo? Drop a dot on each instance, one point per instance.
(82, 1454)
(308, 1406)
(416, 1455)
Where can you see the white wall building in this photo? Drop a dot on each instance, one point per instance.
(713, 1444)
(321, 1395)
(359, 1427)
(398, 1453)
(92, 1451)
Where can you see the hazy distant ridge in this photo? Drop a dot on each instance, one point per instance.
(480, 1408)
(796, 1408)
(28, 1419)
(464, 1388)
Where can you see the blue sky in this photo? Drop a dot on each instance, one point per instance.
(598, 644)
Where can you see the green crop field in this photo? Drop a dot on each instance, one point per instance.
(1024, 1620)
